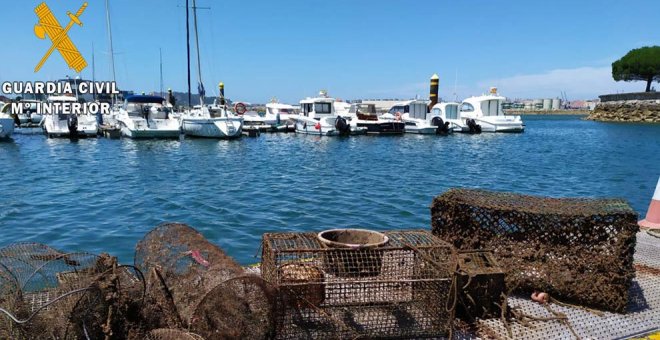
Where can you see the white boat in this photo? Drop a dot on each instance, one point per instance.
(280, 116)
(59, 124)
(417, 119)
(484, 113)
(202, 121)
(318, 117)
(446, 113)
(6, 122)
(29, 115)
(147, 117)
(211, 122)
(365, 116)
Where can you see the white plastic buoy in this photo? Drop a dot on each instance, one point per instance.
(652, 220)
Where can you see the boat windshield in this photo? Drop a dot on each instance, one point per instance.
(323, 108)
(399, 108)
(491, 107)
(284, 111)
(141, 109)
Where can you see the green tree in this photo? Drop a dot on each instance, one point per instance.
(639, 64)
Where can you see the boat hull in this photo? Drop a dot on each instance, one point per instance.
(383, 128)
(212, 128)
(310, 129)
(6, 127)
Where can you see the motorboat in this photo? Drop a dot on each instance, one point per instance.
(71, 125)
(6, 123)
(205, 121)
(147, 117)
(446, 113)
(280, 116)
(365, 116)
(215, 121)
(28, 116)
(484, 113)
(418, 119)
(318, 117)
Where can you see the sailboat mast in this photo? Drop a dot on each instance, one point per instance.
(93, 71)
(199, 65)
(112, 51)
(188, 47)
(160, 50)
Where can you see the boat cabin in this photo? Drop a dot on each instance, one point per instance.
(364, 111)
(146, 107)
(416, 109)
(317, 107)
(445, 111)
(484, 106)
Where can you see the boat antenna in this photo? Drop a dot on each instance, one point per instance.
(200, 84)
(112, 52)
(455, 82)
(188, 47)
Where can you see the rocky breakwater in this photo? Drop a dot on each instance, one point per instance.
(627, 111)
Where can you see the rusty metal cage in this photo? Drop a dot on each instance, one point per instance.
(578, 250)
(403, 289)
(481, 285)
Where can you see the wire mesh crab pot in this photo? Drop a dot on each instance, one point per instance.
(578, 250)
(481, 285)
(56, 295)
(401, 288)
(206, 290)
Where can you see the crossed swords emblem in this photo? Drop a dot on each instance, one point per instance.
(48, 25)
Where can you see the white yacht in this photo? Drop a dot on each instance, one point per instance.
(365, 116)
(202, 121)
(318, 117)
(280, 116)
(446, 113)
(147, 117)
(415, 115)
(484, 113)
(6, 123)
(211, 122)
(59, 124)
(29, 115)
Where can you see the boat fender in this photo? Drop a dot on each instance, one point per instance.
(278, 121)
(317, 126)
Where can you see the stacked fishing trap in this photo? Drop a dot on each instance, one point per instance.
(193, 285)
(401, 287)
(46, 293)
(579, 250)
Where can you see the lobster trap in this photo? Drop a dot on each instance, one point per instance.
(193, 284)
(481, 285)
(50, 294)
(401, 289)
(579, 250)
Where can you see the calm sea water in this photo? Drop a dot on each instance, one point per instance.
(101, 195)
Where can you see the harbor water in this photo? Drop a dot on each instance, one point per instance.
(101, 195)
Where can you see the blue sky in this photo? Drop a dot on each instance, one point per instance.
(352, 48)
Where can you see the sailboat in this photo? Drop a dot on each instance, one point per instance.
(200, 121)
